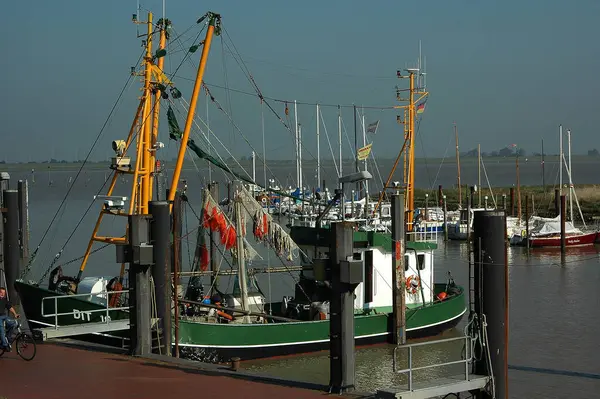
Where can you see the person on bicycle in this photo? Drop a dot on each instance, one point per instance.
(6, 308)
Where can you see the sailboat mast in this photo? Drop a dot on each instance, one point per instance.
(458, 166)
(340, 138)
(300, 158)
(543, 166)
(479, 175)
(214, 20)
(356, 149)
(560, 160)
(296, 143)
(570, 175)
(366, 183)
(518, 188)
(318, 150)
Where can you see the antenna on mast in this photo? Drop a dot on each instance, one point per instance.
(425, 73)
(163, 9)
(419, 66)
(135, 18)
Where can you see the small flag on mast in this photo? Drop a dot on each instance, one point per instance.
(372, 128)
(421, 108)
(363, 153)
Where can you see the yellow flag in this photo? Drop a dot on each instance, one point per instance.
(363, 153)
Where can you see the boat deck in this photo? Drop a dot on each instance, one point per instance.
(64, 372)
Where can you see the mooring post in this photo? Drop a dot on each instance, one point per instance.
(426, 216)
(139, 256)
(472, 194)
(11, 243)
(346, 274)
(215, 255)
(440, 194)
(399, 294)
(556, 202)
(23, 190)
(504, 202)
(563, 209)
(161, 269)
(512, 201)
(445, 219)
(527, 222)
(4, 180)
(491, 298)
(468, 234)
(177, 226)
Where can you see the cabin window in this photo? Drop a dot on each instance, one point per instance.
(356, 256)
(368, 265)
(421, 261)
(406, 258)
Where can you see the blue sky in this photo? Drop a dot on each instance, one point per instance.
(506, 72)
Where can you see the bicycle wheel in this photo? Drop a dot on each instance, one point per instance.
(25, 346)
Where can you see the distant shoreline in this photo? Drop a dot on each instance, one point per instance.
(70, 165)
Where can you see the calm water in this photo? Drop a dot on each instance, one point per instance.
(554, 319)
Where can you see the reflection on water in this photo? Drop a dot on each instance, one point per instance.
(373, 364)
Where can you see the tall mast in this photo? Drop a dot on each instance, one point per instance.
(543, 166)
(214, 22)
(479, 175)
(146, 131)
(560, 160)
(163, 24)
(356, 149)
(410, 111)
(366, 183)
(518, 188)
(300, 159)
(296, 143)
(121, 162)
(318, 150)
(570, 175)
(340, 138)
(458, 166)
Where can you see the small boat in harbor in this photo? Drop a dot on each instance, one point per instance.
(548, 235)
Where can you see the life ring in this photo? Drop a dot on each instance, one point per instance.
(264, 201)
(412, 284)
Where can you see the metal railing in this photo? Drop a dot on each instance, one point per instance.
(466, 361)
(423, 235)
(106, 309)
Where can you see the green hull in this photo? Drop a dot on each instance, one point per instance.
(263, 340)
(248, 341)
(78, 310)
